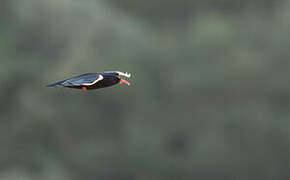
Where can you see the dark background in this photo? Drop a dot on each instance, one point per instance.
(210, 94)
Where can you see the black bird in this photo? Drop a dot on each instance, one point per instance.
(91, 81)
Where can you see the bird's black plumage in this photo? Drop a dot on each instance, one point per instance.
(90, 81)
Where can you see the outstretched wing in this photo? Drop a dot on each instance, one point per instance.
(82, 80)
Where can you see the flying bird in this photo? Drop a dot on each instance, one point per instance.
(90, 81)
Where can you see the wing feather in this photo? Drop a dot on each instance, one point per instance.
(83, 80)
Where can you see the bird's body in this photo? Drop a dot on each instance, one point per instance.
(91, 81)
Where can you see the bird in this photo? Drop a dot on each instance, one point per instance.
(91, 81)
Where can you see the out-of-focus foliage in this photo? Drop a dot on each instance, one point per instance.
(210, 94)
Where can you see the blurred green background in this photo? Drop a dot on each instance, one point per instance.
(210, 94)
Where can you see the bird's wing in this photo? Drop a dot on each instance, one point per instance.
(83, 80)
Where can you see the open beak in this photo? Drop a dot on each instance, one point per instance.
(125, 74)
(122, 81)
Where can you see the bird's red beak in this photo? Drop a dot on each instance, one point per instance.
(122, 81)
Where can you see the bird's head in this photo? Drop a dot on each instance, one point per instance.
(117, 76)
